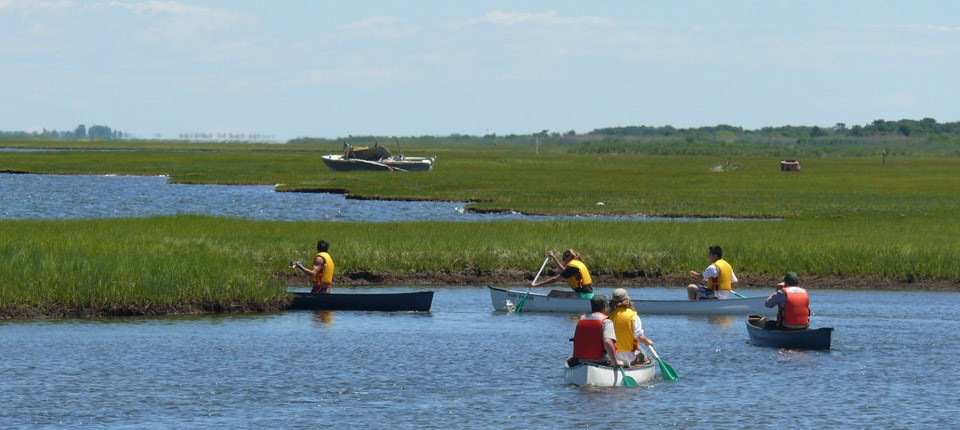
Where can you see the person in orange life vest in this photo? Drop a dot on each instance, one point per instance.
(574, 271)
(628, 328)
(322, 273)
(793, 303)
(718, 275)
(594, 340)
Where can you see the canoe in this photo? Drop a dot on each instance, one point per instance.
(507, 300)
(595, 375)
(819, 338)
(389, 302)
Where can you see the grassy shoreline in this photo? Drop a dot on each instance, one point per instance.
(189, 264)
(850, 220)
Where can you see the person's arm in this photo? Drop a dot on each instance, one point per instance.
(733, 279)
(317, 267)
(610, 341)
(546, 281)
(556, 260)
(777, 298)
(638, 332)
(611, 350)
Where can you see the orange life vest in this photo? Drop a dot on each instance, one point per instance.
(796, 311)
(588, 337)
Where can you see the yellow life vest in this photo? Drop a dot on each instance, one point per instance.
(584, 280)
(325, 276)
(623, 326)
(724, 279)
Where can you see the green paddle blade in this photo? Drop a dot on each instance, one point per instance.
(520, 303)
(627, 381)
(666, 371)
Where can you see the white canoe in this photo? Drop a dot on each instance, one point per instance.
(595, 375)
(507, 300)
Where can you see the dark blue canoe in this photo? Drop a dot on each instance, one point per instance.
(388, 302)
(790, 339)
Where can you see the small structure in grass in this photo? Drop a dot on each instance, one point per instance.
(789, 166)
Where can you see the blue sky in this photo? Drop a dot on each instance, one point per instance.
(337, 68)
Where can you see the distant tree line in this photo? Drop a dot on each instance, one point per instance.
(903, 127)
(94, 132)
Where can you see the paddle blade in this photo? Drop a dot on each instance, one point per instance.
(627, 381)
(666, 371)
(520, 303)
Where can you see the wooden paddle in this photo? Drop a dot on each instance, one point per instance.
(535, 278)
(665, 370)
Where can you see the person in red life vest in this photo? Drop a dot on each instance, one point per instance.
(629, 329)
(574, 271)
(793, 305)
(321, 276)
(594, 340)
(719, 277)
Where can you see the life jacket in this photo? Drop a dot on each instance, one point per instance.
(623, 325)
(588, 337)
(583, 280)
(724, 279)
(326, 275)
(796, 311)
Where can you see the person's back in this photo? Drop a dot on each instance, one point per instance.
(793, 305)
(594, 337)
(628, 328)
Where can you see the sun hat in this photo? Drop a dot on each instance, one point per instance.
(619, 295)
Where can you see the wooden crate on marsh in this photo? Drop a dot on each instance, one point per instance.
(789, 165)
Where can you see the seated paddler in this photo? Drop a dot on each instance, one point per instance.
(321, 275)
(574, 272)
(793, 305)
(594, 339)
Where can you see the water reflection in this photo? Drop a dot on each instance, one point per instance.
(29, 196)
(323, 319)
(722, 320)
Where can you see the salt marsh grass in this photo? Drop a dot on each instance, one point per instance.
(844, 216)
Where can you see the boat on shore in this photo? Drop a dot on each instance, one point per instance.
(595, 375)
(819, 338)
(386, 302)
(375, 158)
(507, 300)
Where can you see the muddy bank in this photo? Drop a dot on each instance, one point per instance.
(633, 279)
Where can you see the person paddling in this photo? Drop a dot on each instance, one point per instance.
(629, 329)
(574, 271)
(793, 305)
(594, 339)
(718, 275)
(322, 273)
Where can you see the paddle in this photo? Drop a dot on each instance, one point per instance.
(738, 294)
(524, 298)
(627, 381)
(665, 370)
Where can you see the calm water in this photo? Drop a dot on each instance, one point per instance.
(462, 365)
(88, 196)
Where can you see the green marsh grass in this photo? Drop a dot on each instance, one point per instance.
(843, 217)
(195, 264)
